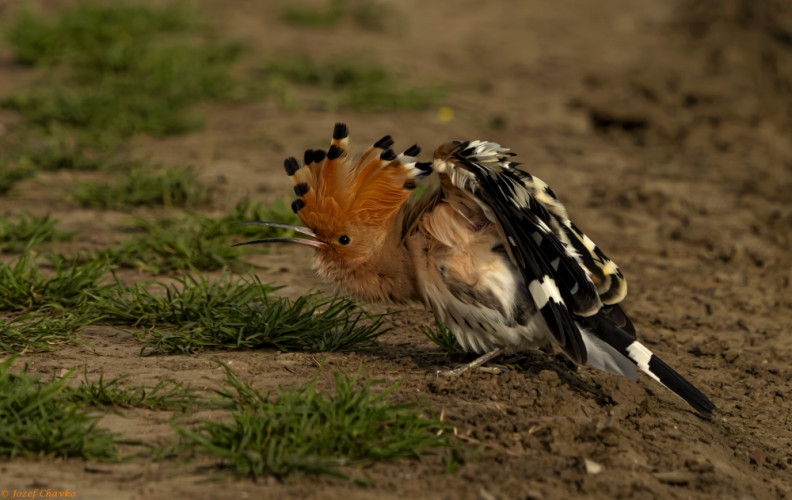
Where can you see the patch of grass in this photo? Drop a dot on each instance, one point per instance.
(442, 337)
(308, 431)
(96, 36)
(23, 287)
(312, 17)
(246, 210)
(171, 187)
(237, 313)
(165, 395)
(10, 174)
(189, 314)
(157, 99)
(172, 244)
(37, 421)
(41, 332)
(195, 240)
(367, 15)
(54, 148)
(352, 85)
(121, 69)
(24, 231)
(371, 15)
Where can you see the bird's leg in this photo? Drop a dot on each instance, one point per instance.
(489, 356)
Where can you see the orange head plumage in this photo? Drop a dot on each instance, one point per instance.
(347, 207)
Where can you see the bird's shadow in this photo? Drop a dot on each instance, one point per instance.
(529, 363)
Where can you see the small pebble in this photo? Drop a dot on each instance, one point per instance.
(757, 456)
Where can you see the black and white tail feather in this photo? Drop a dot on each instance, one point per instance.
(572, 283)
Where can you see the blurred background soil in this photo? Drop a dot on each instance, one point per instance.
(665, 129)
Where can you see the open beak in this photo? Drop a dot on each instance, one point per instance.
(316, 242)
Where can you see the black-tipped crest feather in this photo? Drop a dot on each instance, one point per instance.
(291, 165)
(384, 143)
(340, 131)
(334, 152)
(413, 150)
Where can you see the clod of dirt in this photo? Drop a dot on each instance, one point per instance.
(757, 456)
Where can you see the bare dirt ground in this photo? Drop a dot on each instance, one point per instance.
(665, 128)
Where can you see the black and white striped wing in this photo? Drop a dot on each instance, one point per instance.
(569, 278)
(559, 286)
(608, 279)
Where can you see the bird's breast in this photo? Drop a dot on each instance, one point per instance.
(477, 292)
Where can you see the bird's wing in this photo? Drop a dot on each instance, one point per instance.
(564, 270)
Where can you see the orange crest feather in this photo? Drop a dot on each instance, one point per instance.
(332, 193)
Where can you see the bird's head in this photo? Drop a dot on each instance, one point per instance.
(347, 208)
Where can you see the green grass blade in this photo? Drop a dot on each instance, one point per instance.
(35, 421)
(308, 431)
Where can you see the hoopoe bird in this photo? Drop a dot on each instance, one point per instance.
(486, 246)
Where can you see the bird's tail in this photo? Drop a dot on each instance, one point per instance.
(604, 337)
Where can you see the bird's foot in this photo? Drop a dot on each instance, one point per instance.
(476, 363)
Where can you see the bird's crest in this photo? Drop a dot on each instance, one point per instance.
(332, 190)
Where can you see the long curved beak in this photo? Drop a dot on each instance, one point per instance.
(316, 242)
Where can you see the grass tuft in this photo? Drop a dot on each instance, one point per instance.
(176, 243)
(171, 187)
(313, 17)
(194, 241)
(22, 287)
(316, 432)
(372, 15)
(23, 231)
(41, 332)
(246, 210)
(236, 313)
(352, 85)
(442, 337)
(36, 421)
(55, 147)
(10, 174)
(165, 395)
(366, 15)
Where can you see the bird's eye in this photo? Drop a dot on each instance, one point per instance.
(344, 240)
